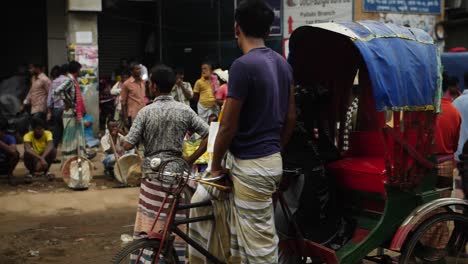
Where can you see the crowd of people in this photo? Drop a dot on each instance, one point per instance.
(55, 104)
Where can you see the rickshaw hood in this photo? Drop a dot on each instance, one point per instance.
(403, 63)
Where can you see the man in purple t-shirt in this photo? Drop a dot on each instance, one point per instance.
(258, 119)
(9, 155)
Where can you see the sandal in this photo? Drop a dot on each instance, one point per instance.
(50, 176)
(28, 179)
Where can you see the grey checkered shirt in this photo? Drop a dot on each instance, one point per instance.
(161, 128)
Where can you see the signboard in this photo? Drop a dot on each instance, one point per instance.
(302, 12)
(84, 5)
(84, 37)
(276, 29)
(404, 6)
(424, 22)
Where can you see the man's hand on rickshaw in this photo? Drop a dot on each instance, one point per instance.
(220, 181)
(218, 172)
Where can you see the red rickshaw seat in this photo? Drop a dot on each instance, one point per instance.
(363, 167)
(365, 173)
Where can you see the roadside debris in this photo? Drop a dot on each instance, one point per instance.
(126, 238)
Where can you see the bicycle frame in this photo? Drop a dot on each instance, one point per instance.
(171, 226)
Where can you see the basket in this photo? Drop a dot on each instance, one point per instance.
(129, 163)
(70, 165)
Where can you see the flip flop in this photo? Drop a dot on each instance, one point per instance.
(28, 178)
(50, 176)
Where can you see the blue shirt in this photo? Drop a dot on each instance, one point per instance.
(262, 80)
(9, 140)
(88, 131)
(461, 103)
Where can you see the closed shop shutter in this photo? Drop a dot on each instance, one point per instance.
(119, 37)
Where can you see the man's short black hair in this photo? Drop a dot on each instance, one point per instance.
(126, 73)
(55, 72)
(64, 68)
(254, 18)
(132, 65)
(37, 123)
(445, 81)
(74, 67)
(179, 71)
(164, 78)
(111, 120)
(37, 64)
(452, 81)
(209, 63)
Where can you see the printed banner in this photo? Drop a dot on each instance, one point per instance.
(404, 6)
(276, 27)
(302, 12)
(87, 56)
(424, 22)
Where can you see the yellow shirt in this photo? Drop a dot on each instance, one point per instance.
(204, 88)
(39, 145)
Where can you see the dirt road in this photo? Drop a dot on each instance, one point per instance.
(64, 226)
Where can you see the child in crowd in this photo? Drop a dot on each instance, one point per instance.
(91, 141)
(112, 133)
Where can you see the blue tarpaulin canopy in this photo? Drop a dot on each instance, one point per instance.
(403, 63)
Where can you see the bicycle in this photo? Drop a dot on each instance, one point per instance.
(158, 246)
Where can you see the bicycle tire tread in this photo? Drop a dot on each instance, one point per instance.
(425, 225)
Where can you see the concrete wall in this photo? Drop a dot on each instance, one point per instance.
(86, 22)
(82, 21)
(56, 28)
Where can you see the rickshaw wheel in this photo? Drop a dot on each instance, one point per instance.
(442, 238)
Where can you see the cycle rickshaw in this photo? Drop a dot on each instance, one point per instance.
(388, 169)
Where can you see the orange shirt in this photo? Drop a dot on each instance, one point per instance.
(133, 96)
(447, 128)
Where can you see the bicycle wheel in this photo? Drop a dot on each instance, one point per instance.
(442, 238)
(148, 249)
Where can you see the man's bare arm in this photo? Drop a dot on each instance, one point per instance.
(49, 148)
(127, 146)
(196, 96)
(10, 149)
(187, 90)
(290, 121)
(226, 132)
(28, 148)
(201, 149)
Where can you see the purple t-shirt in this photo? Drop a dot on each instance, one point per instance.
(262, 80)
